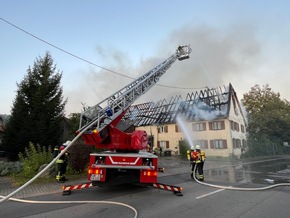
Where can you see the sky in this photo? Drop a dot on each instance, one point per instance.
(98, 46)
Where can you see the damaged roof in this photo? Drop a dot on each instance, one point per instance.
(208, 104)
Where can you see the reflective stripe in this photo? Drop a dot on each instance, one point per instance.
(60, 161)
(202, 155)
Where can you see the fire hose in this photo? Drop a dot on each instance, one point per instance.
(239, 188)
(74, 202)
(4, 198)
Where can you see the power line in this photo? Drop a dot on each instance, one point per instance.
(84, 60)
(56, 47)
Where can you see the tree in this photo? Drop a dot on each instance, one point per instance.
(268, 118)
(79, 153)
(74, 121)
(37, 110)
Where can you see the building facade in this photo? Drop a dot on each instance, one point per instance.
(212, 118)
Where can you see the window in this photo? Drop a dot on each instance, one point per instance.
(199, 126)
(163, 129)
(236, 143)
(217, 125)
(218, 144)
(242, 128)
(232, 125)
(163, 144)
(237, 127)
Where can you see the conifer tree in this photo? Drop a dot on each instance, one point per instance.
(38, 109)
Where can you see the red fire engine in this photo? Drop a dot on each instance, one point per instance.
(124, 158)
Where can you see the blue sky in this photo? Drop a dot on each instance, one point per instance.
(239, 42)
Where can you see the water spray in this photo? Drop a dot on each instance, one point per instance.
(185, 131)
(181, 123)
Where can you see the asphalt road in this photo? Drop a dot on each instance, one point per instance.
(197, 200)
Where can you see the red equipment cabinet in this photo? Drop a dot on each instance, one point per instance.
(113, 168)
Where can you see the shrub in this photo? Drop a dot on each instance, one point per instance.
(183, 147)
(79, 157)
(7, 167)
(33, 158)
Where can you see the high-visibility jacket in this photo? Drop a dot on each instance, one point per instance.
(200, 156)
(191, 155)
(55, 151)
(63, 158)
(59, 161)
(188, 154)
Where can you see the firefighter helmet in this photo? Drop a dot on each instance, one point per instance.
(197, 146)
(66, 143)
(192, 147)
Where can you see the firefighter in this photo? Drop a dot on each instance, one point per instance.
(190, 156)
(149, 148)
(62, 162)
(200, 158)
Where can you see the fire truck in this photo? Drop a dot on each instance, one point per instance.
(123, 156)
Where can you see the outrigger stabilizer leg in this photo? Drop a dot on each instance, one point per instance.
(175, 189)
(67, 189)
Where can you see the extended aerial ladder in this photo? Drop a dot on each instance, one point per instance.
(125, 159)
(107, 114)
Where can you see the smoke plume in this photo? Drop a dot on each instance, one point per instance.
(218, 58)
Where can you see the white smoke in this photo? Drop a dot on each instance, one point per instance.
(218, 57)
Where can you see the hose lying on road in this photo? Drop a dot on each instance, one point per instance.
(74, 202)
(46, 168)
(4, 198)
(239, 188)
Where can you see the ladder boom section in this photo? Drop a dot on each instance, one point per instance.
(117, 104)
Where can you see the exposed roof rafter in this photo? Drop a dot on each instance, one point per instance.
(200, 105)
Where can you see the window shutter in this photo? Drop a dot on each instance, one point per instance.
(225, 146)
(222, 124)
(166, 128)
(204, 126)
(158, 130)
(210, 125)
(211, 144)
(158, 144)
(167, 144)
(176, 128)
